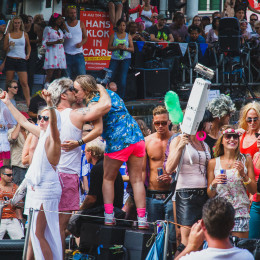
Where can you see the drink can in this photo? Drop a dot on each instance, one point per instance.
(222, 171)
(160, 171)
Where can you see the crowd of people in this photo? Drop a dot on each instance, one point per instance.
(69, 152)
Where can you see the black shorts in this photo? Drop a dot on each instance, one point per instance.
(189, 204)
(18, 65)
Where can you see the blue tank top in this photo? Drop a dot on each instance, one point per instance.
(121, 55)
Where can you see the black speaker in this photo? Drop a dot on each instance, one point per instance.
(135, 243)
(11, 249)
(229, 34)
(152, 83)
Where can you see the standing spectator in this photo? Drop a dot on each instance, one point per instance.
(53, 38)
(2, 52)
(12, 89)
(243, 28)
(253, 19)
(249, 121)
(197, 22)
(240, 15)
(17, 136)
(205, 20)
(194, 35)
(35, 36)
(145, 12)
(30, 19)
(73, 46)
(160, 32)
(14, 45)
(244, 4)
(209, 26)
(115, 8)
(121, 45)
(144, 36)
(178, 29)
(12, 218)
(238, 177)
(255, 206)
(213, 33)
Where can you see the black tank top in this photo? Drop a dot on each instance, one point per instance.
(32, 36)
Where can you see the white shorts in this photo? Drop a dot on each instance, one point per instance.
(12, 227)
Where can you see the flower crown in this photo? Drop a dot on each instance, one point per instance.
(231, 131)
(56, 15)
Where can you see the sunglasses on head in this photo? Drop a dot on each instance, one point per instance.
(158, 123)
(8, 175)
(228, 136)
(45, 118)
(257, 135)
(251, 119)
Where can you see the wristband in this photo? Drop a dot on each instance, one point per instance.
(53, 107)
(81, 142)
(212, 188)
(247, 182)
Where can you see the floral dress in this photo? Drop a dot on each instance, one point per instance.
(55, 55)
(120, 129)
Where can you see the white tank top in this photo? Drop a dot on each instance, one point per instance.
(149, 15)
(18, 50)
(70, 162)
(69, 44)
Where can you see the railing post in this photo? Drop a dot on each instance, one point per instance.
(26, 241)
(166, 238)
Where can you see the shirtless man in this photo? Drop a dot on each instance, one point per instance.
(158, 186)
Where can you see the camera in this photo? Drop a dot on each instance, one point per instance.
(106, 79)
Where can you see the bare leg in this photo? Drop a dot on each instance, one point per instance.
(9, 75)
(240, 234)
(134, 166)
(111, 168)
(111, 13)
(64, 220)
(185, 235)
(118, 15)
(41, 224)
(24, 83)
(30, 254)
(49, 74)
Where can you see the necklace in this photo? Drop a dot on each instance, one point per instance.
(200, 159)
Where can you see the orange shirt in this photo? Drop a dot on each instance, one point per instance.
(8, 211)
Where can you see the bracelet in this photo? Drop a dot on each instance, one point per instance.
(212, 188)
(247, 182)
(81, 142)
(53, 107)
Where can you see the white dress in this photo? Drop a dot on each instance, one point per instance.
(55, 55)
(44, 188)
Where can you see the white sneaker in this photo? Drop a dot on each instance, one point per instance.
(142, 222)
(109, 219)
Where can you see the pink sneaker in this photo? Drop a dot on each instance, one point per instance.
(109, 219)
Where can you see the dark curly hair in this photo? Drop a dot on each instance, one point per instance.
(53, 20)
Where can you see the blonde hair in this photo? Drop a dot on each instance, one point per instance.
(219, 148)
(37, 18)
(88, 85)
(11, 25)
(96, 147)
(159, 110)
(243, 113)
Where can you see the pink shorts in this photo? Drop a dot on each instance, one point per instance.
(137, 149)
(5, 155)
(70, 192)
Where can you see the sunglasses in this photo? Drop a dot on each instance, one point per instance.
(228, 136)
(88, 130)
(253, 20)
(14, 87)
(250, 119)
(158, 123)
(45, 118)
(155, 17)
(71, 89)
(8, 175)
(257, 135)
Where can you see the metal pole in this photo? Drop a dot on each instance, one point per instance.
(166, 238)
(192, 9)
(26, 241)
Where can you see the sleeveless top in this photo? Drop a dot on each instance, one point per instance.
(256, 197)
(234, 190)
(121, 55)
(149, 15)
(32, 36)
(69, 161)
(249, 150)
(69, 44)
(18, 50)
(190, 176)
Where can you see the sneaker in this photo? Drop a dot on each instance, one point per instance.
(109, 219)
(142, 222)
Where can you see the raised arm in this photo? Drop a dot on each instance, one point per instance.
(20, 118)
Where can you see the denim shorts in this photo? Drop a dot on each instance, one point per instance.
(12, 64)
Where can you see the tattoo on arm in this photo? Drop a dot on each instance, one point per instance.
(83, 110)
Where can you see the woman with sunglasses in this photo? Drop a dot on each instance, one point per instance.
(42, 181)
(249, 121)
(255, 206)
(230, 175)
(53, 38)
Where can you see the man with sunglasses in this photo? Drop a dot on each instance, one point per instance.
(253, 19)
(11, 218)
(158, 184)
(72, 121)
(12, 89)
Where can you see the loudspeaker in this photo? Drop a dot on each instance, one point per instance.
(11, 249)
(229, 34)
(152, 83)
(135, 243)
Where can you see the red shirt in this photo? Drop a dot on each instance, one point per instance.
(140, 8)
(249, 150)
(256, 197)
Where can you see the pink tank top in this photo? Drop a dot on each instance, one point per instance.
(256, 197)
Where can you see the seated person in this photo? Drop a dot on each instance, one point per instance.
(115, 8)
(160, 32)
(93, 203)
(143, 35)
(194, 35)
(178, 29)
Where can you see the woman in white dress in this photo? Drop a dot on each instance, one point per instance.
(53, 38)
(43, 185)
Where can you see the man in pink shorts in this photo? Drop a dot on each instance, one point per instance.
(72, 121)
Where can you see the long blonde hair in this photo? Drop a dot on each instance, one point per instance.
(89, 86)
(242, 119)
(11, 25)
